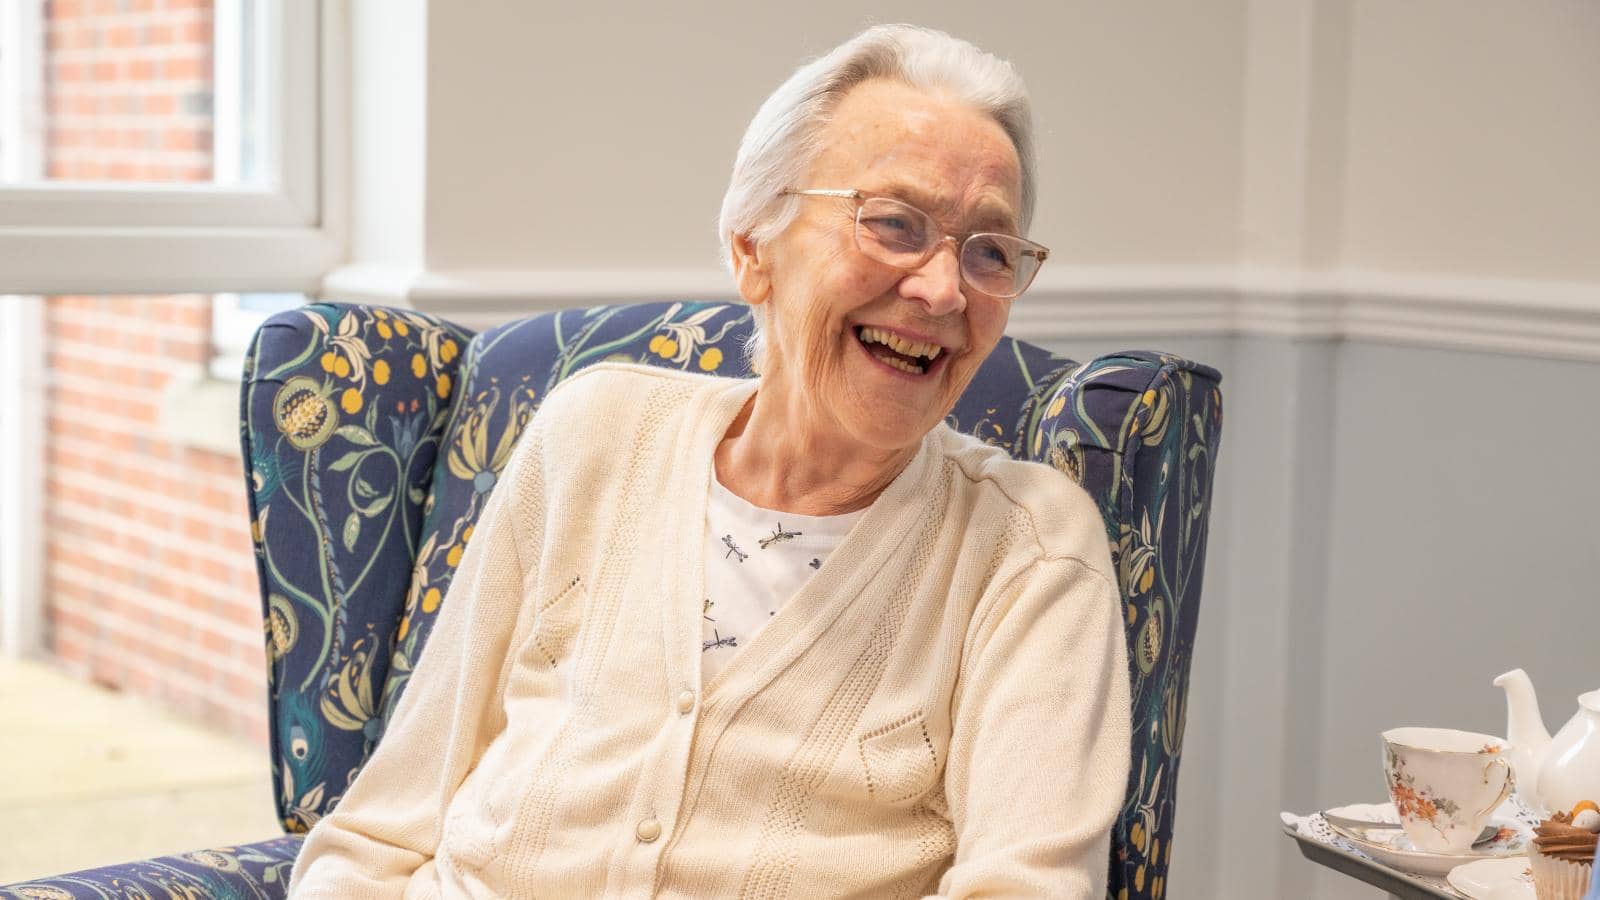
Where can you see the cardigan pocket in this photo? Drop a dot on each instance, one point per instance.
(467, 835)
(899, 761)
(485, 804)
(555, 627)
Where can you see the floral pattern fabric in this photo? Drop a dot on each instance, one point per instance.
(373, 437)
(258, 870)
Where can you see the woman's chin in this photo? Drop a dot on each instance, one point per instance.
(890, 425)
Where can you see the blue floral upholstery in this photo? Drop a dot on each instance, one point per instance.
(374, 436)
(254, 870)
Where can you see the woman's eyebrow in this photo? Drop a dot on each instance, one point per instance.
(910, 193)
(991, 218)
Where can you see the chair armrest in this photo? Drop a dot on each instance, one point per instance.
(259, 870)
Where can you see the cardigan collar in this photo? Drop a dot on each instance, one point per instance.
(867, 550)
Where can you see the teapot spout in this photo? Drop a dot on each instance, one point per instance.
(1524, 729)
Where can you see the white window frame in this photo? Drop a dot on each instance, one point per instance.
(22, 435)
(76, 239)
(19, 78)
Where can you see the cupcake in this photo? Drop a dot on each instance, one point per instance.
(1563, 852)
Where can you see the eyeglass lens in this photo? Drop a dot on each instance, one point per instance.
(901, 235)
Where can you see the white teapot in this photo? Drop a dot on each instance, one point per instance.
(1553, 773)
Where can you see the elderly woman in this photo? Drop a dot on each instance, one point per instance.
(786, 636)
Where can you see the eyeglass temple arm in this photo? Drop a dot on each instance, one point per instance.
(848, 194)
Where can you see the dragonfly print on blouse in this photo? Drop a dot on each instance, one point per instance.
(717, 640)
(733, 549)
(778, 534)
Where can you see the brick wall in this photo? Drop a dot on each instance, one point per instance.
(150, 575)
(150, 579)
(127, 90)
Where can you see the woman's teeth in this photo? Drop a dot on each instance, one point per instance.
(900, 364)
(900, 345)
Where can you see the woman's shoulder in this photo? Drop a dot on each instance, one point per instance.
(1058, 517)
(615, 392)
(611, 379)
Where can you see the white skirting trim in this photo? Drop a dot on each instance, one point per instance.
(1521, 317)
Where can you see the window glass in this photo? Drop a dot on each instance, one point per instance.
(134, 92)
(234, 320)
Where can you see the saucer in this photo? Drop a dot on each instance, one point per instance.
(1394, 849)
(1493, 879)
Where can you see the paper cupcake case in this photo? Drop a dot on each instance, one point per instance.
(1558, 879)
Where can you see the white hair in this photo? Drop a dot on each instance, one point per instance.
(786, 133)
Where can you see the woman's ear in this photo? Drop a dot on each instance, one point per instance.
(751, 271)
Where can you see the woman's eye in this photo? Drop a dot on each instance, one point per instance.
(897, 231)
(891, 225)
(993, 256)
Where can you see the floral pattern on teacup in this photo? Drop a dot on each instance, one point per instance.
(1421, 803)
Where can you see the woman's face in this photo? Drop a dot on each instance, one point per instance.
(820, 292)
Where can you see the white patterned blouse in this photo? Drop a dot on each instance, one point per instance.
(756, 559)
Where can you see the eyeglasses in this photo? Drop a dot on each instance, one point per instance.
(899, 234)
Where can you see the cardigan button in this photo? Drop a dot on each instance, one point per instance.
(648, 830)
(686, 702)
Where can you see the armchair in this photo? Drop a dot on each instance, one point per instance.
(372, 438)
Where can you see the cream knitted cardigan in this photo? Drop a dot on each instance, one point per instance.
(943, 707)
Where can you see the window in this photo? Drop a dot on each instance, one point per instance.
(149, 148)
(163, 146)
(234, 320)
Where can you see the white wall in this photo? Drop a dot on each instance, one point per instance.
(592, 111)
(1474, 131)
(1380, 220)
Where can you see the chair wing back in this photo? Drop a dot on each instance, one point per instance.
(1140, 431)
(344, 409)
(365, 491)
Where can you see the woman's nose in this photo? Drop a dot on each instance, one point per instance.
(937, 283)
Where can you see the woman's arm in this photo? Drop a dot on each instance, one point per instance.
(388, 824)
(1039, 748)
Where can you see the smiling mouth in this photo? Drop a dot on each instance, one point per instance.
(910, 357)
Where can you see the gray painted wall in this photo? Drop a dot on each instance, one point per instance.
(1393, 527)
(1463, 543)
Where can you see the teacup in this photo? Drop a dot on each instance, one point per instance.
(1445, 783)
